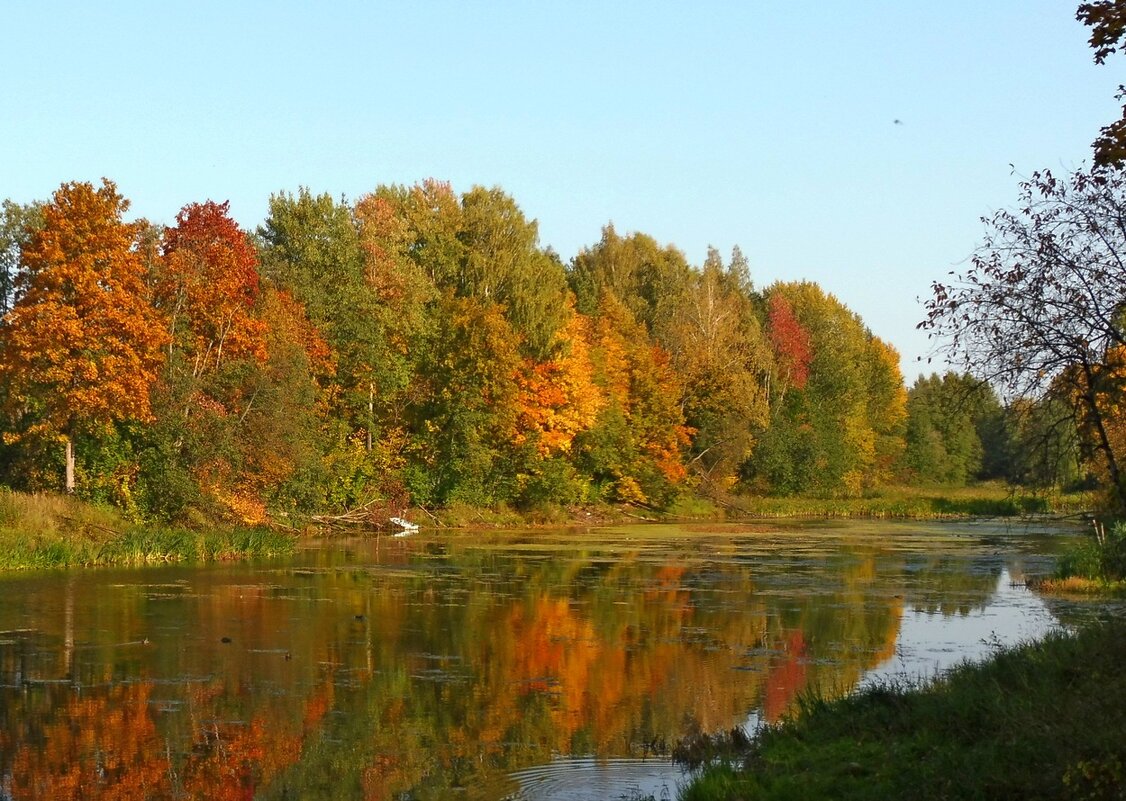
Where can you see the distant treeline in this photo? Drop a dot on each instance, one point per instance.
(420, 346)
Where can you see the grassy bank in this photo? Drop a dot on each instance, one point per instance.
(993, 499)
(1042, 721)
(48, 530)
(924, 503)
(51, 531)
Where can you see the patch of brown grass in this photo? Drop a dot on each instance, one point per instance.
(1077, 585)
(45, 513)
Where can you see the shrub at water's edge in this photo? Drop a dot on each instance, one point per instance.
(1042, 720)
(1095, 567)
(53, 531)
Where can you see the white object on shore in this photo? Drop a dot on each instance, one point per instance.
(407, 526)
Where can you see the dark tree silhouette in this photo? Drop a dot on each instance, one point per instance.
(1040, 309)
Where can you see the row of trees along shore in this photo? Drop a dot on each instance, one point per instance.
(420, 347)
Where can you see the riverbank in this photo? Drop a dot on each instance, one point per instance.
(44, 530)
(40, 530)
(992, 499)
(1041, 721)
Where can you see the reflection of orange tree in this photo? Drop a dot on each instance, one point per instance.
(524, 679)
(670, 654)
(105, 744)
(556, 653)
(230, 760)
(98, 745)
(612, 679)
(439, 692)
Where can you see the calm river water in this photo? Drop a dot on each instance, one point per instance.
(520, 665)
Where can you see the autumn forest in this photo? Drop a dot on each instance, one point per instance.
(420, 347)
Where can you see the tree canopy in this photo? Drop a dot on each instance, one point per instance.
(421, 346)
(1107, 20)
(81, 345)
(1039, 312)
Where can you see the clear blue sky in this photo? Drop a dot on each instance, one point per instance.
(764, 124)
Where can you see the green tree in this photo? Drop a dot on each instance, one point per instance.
(1044, 446)
(504, 263)
(649, 279)
(442, 264)
(17, 225)
(886, 409)
(721, 356)
(944, 418)
(464, 411)
(280, 442)
(842, 430)
(313, 248)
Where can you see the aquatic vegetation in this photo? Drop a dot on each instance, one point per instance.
(1097, 566)
(420, 666)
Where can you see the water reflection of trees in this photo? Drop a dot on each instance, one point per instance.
(949, 585)
(104, 742)
(427, 672)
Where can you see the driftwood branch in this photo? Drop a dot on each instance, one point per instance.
(432, 516)
(376, 513)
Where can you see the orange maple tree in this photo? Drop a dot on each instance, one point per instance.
(641, 387)
(558, 398)
(82, 347)
(208, 287)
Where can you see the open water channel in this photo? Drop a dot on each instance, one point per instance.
(486, 666)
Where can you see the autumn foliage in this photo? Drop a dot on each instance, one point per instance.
(207, 287)
(82, 346)
(558, 397)
(790, 341)
(419, 346)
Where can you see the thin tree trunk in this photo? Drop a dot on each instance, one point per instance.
(69, 466)
(371, 412)
(1090, 396)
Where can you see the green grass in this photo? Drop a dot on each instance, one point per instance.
(1042, 721)
(39, 531)
(981, 500)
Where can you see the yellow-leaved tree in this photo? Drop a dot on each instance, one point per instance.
(82, 345)
(558, 398)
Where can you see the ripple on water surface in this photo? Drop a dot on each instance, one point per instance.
(582, 779)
